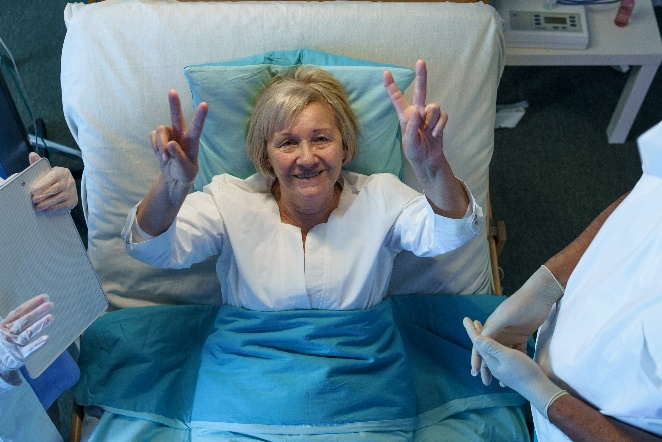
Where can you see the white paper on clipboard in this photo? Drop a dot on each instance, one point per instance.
(43, 253)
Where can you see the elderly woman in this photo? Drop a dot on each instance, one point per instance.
(302, 233)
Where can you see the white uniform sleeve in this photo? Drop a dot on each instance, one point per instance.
(195, 235)
(419, 230)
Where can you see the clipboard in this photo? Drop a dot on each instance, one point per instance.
(43, 253)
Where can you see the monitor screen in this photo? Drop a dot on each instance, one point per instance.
(14, 142)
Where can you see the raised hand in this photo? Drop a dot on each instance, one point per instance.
(422, 125)
(177, 146)
(177, 150)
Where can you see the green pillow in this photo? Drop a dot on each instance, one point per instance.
(231, 89)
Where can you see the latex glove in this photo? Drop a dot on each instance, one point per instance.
(18, 329)
(514, 369)
(519, 316)
(56, 190)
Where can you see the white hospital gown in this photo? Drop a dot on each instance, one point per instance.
(603, 340)
(262, 264)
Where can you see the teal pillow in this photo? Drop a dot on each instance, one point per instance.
(231, 89)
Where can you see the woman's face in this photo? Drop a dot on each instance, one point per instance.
(307, 157)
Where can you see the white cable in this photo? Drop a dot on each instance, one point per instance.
(55, 146)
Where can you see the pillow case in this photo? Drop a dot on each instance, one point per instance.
(231, 89)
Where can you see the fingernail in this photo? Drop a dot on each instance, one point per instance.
(474, 373)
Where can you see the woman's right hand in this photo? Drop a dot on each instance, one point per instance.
(177, 146)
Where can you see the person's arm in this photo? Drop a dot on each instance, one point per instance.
(177, 150)
(422, 128)
(519, 316)
(578, 420)
(581, 422)
(564, 262)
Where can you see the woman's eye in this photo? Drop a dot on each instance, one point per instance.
(321, 140)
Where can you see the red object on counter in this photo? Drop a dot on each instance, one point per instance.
(624, 13)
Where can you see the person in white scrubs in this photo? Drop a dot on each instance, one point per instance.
(597, 373)
(22, 416)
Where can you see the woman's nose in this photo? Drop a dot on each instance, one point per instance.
(306, 153)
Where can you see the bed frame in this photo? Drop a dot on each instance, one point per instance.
(121, 56)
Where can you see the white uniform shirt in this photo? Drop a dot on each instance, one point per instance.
(262, 264)
(603, 341)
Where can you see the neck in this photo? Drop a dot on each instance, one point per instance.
(307, 214)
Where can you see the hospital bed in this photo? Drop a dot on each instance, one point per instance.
(120, 57)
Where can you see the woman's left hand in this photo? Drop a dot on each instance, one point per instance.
(422, 125)
(56, 190)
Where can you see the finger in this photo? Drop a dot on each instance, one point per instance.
(162, 136)
(410, 137)
(152, 142)
(472, 328)
(432, 114)
(25, 321)
(66, 199)
(473, 332)
(32, 347)
(398, 99)
(420, 86)
(438, 130)
(33, 157)
(176, 114)
(195, 128)
(485, 373)
(32, 331)
(56, 176)
(478, 325)
(63, 189)
(51, 207)
(24, 308)
(482, 367)
(178, 154)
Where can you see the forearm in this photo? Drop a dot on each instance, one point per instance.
(444, 191)
(159, 208)
(581, 422)
(563, 263)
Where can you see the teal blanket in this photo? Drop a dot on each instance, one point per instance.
(400, 366)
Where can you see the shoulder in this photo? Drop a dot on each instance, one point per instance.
(256, 183)
(387, 181)
(378, 190)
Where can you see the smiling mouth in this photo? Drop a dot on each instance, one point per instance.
(304, 176)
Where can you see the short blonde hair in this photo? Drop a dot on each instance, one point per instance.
(282, 100)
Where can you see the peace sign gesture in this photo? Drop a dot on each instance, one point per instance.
(422, 125)
(176, 146)
(177, 150)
